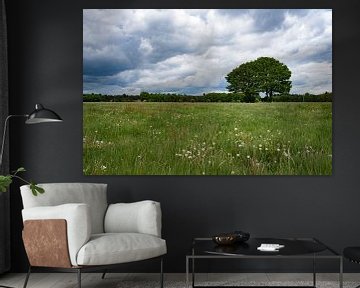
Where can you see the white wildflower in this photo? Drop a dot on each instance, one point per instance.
(287, 153)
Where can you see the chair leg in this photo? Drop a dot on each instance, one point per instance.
(161, 273)
(27, 277)
(79, 277)
(103, 275)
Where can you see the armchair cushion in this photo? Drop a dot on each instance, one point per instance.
(93, 194)
(138, 217)
(113, 248)
(78, 221)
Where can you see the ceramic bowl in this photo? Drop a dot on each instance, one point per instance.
(225, 239)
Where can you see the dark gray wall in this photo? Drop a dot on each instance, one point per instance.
(45, 50)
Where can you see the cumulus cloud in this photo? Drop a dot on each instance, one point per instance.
(191, 51)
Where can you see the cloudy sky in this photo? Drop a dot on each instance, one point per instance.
(191, 51)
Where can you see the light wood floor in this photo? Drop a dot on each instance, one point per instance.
(68, 280)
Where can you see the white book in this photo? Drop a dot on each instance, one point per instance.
(270, 247)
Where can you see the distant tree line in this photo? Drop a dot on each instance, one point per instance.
(307, 97)
(209, 97)
(263, 76)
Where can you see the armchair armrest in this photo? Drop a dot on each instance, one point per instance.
(77, 219)
(52, 250)
(138, 217)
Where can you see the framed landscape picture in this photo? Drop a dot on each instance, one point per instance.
(207, 92)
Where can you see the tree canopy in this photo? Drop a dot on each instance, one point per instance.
(265, 74)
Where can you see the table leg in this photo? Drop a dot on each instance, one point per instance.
(341, 273)
(193, 272)
(314, 271)
(187, 272)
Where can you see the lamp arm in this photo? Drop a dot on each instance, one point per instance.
(4, 134)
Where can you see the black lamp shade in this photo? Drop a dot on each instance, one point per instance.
(42, 115)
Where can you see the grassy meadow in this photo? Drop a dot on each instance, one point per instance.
(147, 138)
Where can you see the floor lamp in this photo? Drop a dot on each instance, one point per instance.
(39, 115)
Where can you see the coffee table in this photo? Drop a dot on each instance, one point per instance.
(294, 248)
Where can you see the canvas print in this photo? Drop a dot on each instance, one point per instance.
(207, 92)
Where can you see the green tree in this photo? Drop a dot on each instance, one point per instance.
(265, 74)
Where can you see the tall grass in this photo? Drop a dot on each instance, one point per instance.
(207, 139)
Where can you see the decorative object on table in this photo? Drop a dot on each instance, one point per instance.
(352, 254)
(241, 236)
(231, 238)
(225, 239)
(270, 247)
(39, 115)
(96, 236)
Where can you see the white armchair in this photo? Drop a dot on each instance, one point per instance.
(72, 228)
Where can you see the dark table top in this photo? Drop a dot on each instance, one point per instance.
(292, 247)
